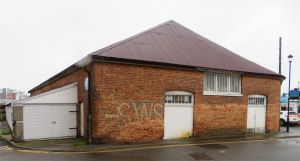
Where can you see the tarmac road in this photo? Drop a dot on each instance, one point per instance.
(266, 150)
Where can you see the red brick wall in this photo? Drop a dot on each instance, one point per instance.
(121, 89)
(271, 89)
(128, 102)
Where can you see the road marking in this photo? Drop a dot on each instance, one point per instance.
(150, 147)
(6, 148)
(32, 151)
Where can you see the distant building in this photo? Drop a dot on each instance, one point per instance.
(294, 103)
(8, 95)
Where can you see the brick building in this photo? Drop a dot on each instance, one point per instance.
(8, 95)
(169, 82)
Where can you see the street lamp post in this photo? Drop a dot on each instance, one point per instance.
(290, 57)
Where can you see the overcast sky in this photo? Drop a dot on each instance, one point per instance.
(39, 38)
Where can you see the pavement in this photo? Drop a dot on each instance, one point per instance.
(259, 150)
(80, 146)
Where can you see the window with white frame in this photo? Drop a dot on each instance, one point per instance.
(179, 98)
(222, 84)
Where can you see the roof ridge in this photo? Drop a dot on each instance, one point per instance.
(129, 38)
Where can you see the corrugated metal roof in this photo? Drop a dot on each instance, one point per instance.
(173, 43)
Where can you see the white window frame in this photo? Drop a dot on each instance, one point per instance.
(257, 103)
(172, 93)
(216, 92)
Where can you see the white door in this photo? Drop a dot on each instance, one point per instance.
(178, 115)
(256, 114)
(49, 121)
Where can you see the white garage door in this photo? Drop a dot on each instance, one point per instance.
(178, 116)
(49, 121)
(256, 115)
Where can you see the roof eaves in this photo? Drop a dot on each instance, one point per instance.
(178, 66)
(81, 63)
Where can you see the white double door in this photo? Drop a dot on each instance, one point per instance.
(256, 114)
(49, 121)
(178, 115)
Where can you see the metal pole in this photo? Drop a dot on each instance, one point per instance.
(279, 55)
(279, 68)
(288, 109)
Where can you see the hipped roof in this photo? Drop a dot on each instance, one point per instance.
(173, 44)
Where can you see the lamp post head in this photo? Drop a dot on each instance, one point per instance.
(290, 57)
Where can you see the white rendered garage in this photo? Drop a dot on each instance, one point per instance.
(48, 115)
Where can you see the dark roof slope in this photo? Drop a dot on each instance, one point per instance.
(173, 43)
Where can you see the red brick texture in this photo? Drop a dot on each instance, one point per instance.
(128, 102)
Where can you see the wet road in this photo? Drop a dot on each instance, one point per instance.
(270, 150)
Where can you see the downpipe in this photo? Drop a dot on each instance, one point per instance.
(89, 132)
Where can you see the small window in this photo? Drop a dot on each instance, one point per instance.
(222, 84)
(178, 98)
(256, 101)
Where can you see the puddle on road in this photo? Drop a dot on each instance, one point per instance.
(134, 158)
(214, 146)
(290, 142)
(200, 156)
(118, 157)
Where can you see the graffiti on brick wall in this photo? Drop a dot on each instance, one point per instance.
(138, 112)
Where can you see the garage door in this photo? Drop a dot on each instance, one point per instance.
(256, 115)
(49, 121)
(178, 116)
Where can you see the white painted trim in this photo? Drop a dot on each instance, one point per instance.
(258, 96)
(207, 93)
(178, 93)
(216, 93)
(179, 104)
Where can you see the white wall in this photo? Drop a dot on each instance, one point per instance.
(9, 116)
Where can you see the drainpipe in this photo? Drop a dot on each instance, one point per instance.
(89, 132)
